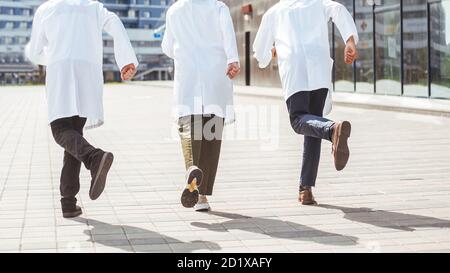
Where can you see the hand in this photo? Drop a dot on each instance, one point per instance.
(350, 52)
(274, 52)
(233, 70)
(128, 72)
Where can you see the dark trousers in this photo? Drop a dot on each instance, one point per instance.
(306, 115)
(68, 133)
(201, 140)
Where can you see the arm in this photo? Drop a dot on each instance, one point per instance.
(264, 42)
(168, 39)
(229, 42)
(350, 53)
(229, 36)
(35, 50)
(344, 22)
(123, 51)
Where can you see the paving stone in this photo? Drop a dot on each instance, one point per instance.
(377, 204)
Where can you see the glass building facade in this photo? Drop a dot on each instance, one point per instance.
(404, 47)
(140, 17)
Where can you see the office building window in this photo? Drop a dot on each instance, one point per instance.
(440, 48)
(415, 48)
(343, 73)
(387, 48)
(364, 65)
(22, 40)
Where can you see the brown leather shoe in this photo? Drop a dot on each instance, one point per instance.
(306, 197)
(99, 172)
(340, 137)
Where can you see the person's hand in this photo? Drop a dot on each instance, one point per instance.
(274, 52)
(350, 52)
(128, 72)
(233, 70)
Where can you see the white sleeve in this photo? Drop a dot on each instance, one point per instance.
(168, 39)
(342, 18)
(123, 50)
(264, 42)
(229, 36)
(36, 48)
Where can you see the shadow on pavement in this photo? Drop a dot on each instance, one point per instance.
(151, 238)
(301, 232)
(387, 219)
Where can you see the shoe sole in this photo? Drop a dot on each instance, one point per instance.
(189, 197)
(72, 214)
(313, 203)
(100, 178)
(342, 149)
(203, 209)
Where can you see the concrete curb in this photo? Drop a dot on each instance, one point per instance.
(424, 106)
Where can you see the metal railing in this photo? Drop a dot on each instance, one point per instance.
(167, 71)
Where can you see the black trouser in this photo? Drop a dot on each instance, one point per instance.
(305, 112)
(68, 133)
(201, 139)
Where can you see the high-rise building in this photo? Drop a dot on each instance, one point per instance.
(140, 17)
(15, 28)
(404, 47)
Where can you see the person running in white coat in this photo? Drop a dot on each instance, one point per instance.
(67, 39)
(200, 37)
(296, 32)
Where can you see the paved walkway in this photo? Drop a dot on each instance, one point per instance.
(394, 195)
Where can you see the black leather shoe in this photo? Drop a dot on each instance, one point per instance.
(99, 171)
(69, 208)
(73, 213)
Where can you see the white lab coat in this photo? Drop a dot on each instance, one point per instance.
(299, 31)
(67, 38)
(200, 38)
